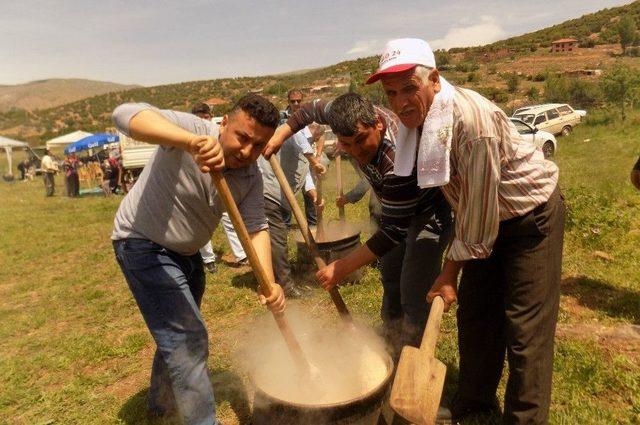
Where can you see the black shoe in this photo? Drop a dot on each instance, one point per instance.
(292, 292)
(211, 267)
(460, 409)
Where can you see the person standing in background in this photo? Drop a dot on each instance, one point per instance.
(294, 99)
(72, 180)
(49, 170)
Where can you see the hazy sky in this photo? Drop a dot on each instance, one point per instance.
(153, 42)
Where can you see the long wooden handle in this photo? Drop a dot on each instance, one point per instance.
(319, 213)
(432, 330)
(263, 279)
(339, 185)
(307, 236)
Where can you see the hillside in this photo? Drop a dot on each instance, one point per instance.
(485, 69)
(44, 94)
(599, 27)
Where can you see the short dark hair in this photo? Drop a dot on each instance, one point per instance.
(347, 111)
(258, 108)
(294, 91)
(201, 108)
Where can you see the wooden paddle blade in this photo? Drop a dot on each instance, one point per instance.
(417, 387)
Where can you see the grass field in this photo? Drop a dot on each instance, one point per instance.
(74, 348)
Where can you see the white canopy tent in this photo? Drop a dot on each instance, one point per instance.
(8, 145)
(67, 139)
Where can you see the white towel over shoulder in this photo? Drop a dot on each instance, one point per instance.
(435, 142)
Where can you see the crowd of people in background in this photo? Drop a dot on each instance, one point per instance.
(105, 173)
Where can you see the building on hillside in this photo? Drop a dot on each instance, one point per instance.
(564, 45)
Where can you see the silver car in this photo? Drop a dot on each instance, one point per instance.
(542, 139)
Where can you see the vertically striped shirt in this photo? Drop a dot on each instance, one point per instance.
(495, 175)
(400, 197)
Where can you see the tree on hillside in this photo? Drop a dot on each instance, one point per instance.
(621, 85)
(626, 31)
(513, 81)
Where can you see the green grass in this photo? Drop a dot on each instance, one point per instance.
(74, 348)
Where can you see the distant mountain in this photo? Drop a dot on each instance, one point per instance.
(43, 94)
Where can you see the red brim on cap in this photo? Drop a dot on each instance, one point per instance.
(391, 70)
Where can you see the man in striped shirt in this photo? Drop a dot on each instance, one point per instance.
(509, 225)
(414, 227)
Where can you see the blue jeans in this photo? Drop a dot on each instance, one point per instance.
(168, 289)
(408, 271)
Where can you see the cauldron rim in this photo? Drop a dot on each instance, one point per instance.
(333, 243)
(379, 387)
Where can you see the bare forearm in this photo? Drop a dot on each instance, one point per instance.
(262, 245)
(451, 269)
(151, 127)
(320, 146)
(357, 258)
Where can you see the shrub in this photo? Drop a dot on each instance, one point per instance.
(494, 94)
(587, 43)
(473, 77)
(467, 67)
(540, 76)
(533, 93)
(442, 58)
(598, 118)
(633, 51)
(556, 89)
(584, 94)
(513, 81)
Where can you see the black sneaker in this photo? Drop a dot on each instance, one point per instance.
(460, 409)
(211, 267)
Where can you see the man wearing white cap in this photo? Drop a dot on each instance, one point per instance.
(508, 230)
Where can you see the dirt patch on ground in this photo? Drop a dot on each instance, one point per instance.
(624, 338)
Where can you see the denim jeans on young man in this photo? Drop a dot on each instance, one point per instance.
(408, 272)
(168, 289)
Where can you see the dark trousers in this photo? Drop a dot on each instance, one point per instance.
(168, 288)
(49, 183)
(408, 272)
(73, 185)
(278, 232)
(508, 303)
(310, 209)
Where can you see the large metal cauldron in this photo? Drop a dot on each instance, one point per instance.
(336, 244)
(362, 410)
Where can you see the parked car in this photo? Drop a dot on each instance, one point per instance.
(542, 139)
(556, 118)
(524, 108)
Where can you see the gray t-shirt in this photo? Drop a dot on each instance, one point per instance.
(294, 166)
(173, 203)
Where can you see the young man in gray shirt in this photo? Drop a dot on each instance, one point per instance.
(168, 215)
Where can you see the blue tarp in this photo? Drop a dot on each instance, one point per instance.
(90, 142)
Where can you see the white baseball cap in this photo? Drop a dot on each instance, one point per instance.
(403, 54)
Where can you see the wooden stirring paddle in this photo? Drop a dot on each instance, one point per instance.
(308, 237)
(263, 279)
